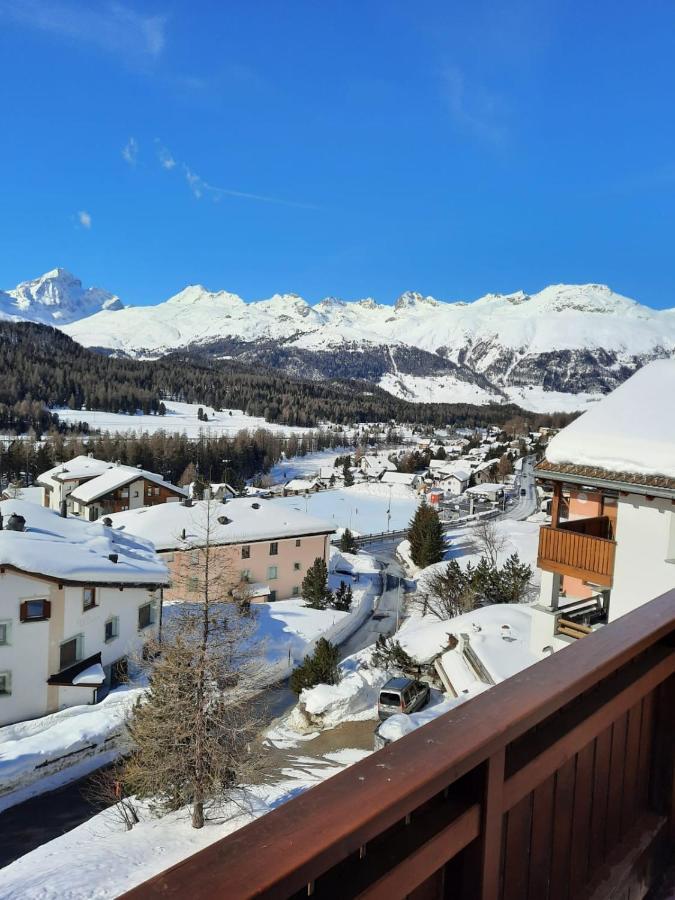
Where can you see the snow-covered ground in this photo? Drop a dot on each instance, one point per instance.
(305, 466)
(180, 417)
(362, 508)
(99, 859)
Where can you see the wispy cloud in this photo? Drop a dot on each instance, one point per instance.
(108, 26)
(166, 160)
(473, 108)
(84, 218)
(202, 189)
(130, 151)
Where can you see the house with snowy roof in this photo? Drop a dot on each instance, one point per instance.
(407, 479)
(60, 481)
(120, 488)
(76, 601)
(297, 486)
(610, 545)
(373, 466)
(260, 543)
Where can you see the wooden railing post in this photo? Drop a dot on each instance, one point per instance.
(491, 827)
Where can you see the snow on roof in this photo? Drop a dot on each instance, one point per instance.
(246, 520)
(93, 675)
(113, 479)
(398, 478)
(486, 488)
(74, 550)
(75, 469)
(300, 484)
(631, 430)
(460, 474)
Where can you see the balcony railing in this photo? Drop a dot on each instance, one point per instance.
(581, 548)
(555, 784)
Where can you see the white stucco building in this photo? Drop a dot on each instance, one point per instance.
(76, 600)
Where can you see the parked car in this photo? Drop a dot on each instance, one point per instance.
(523, 492)
(402, 695)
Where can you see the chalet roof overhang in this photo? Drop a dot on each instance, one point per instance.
(85, 582)
(597, 477)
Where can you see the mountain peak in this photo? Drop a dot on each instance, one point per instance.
(55, 298)
(412, 299)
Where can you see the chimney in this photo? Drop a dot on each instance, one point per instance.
(63, 509)
(113, 557)
(16, 523)
(187, 502)
(106, 520)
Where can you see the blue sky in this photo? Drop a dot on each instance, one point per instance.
(350, 149)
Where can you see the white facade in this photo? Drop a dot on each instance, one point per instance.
(31, 652)
(644, 565)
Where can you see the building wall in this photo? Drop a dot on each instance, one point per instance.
(185, 565)
(33, 652)
(644, 535)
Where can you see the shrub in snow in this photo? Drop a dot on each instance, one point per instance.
(315, 591)
(389, 654)
(347, 542)
(319, 668)
(343, 598)
(427, 544)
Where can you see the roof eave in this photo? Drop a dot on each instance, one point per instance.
(611, 484)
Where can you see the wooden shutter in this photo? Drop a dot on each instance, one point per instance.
(23, 611)
(47, 609)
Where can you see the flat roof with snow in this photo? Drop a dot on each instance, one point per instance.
(244, 520)
(70, 549)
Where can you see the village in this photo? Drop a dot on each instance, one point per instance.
(425, 572)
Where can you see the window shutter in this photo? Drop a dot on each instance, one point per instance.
(48, 609)
(23, 611)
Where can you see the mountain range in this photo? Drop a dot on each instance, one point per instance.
(557, 349)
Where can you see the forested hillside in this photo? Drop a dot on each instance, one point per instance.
(41, 367)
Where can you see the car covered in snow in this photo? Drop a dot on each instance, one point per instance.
(402, 695)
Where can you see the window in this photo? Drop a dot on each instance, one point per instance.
(273, 596)
(298, 542)
(194, 558)
(112, 629)
(271, 573)
(296, 567)
(5, 684)
(156, 492)
(246, 551)
(88, 598)
(146, 614)
(245, 574)
(193, 584)
(70, 651)
(35, 610)
(135, 493)
(296, 591)
(274, 548)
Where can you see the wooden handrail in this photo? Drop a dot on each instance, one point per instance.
(580, 722)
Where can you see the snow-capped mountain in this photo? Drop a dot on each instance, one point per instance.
(553, 350)
(56, 298)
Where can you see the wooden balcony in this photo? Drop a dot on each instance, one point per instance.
(556, 784)
(582, 548)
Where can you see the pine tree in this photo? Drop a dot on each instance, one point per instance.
(348, 477)
(427, 544)
(343, 597)
(515, 579)
(348, 542)
(319, 668)
(315, 590)
(389, 654)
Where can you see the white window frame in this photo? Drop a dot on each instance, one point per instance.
(79, 650)
(115, 620)
(7, 625)
(271, 569)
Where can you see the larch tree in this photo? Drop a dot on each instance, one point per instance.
(195, 731)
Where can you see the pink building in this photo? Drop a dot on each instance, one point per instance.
(264, 544)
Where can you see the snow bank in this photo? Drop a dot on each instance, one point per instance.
(630, 430)
(397, 726)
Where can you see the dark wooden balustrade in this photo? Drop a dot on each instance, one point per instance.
(556, 784)
(575, 550)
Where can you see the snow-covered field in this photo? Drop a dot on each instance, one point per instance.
(99, 859)
(180, 417)
(362, 508)
(305, 466)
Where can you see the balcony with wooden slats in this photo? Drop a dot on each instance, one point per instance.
(582, 548)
